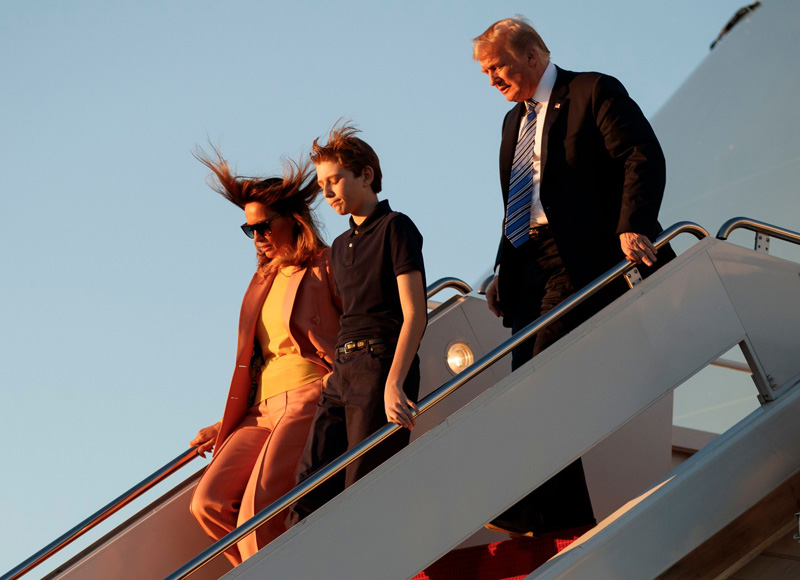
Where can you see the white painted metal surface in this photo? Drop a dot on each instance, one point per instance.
(768, 288)
(463, 319)
(731, 137)
(619, 468)
(628, 462)
(512, 438)
(731, 132)
(705, 493)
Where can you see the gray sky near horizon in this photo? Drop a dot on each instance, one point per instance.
(122, 272)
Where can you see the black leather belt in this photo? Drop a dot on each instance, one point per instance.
(355, 345)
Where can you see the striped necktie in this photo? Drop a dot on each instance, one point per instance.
(520, 191)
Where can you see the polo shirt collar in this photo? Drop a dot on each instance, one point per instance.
(380, 210)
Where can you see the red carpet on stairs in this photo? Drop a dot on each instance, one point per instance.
(508, 560)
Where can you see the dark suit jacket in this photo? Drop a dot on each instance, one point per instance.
(603, 173)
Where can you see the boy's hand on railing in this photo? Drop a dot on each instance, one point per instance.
(205, 439)
(399, 408)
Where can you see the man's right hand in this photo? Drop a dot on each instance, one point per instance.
(493, 298)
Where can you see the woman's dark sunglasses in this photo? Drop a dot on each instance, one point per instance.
(262, 228)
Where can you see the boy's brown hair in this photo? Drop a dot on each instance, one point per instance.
(352, 153)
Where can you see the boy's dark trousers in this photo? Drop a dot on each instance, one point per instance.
(351, 409)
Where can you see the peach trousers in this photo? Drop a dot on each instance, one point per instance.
(255, 466)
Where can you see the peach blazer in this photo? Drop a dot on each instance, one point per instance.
(311, 312)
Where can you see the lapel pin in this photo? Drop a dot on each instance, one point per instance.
(557, 105)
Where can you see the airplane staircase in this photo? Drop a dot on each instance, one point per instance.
(611, 376)
(424, 501)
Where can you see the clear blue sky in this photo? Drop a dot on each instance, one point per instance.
(121, 272)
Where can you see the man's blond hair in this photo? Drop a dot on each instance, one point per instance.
(511, 35)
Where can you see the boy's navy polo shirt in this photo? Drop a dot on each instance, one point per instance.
(366, 261)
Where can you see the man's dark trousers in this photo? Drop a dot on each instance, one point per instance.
(542, 284)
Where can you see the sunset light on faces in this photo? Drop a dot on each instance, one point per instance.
(345, 192)
(516, 80)
(279, 238)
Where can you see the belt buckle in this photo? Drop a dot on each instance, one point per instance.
(353, 346)
(535, 232)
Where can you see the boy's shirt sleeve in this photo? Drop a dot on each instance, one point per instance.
(406, 245)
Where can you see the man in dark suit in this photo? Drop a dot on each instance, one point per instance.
(582, 177)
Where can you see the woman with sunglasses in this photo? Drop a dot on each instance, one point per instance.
(287, 336)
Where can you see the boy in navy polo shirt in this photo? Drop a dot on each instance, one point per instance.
(380, 276)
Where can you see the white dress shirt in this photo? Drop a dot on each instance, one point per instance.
(542, 97)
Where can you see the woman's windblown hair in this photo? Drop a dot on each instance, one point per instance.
(291, 195)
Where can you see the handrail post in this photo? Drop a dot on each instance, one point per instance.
(757, 226)
(449, 282)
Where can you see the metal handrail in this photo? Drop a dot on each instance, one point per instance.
(485, 284)
(435, 397)
(758, 227)
(101, 515)
(444, 283)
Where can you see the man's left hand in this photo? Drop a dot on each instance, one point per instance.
(638, 248)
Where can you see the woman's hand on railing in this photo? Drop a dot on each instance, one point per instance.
(205, 439)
